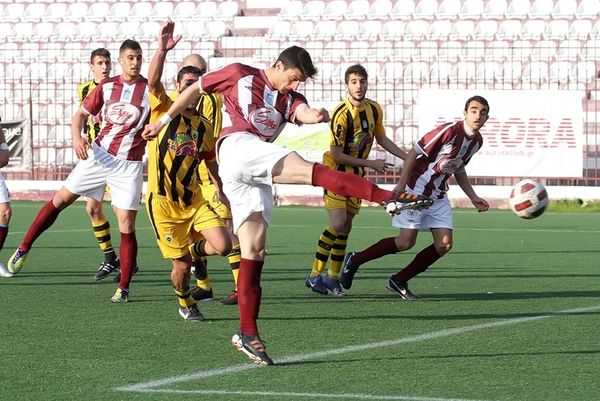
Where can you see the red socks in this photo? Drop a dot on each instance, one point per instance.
(44, 219)
(386, 246)
(128, 256)
(348, 184)
(249, 295)
(419, 264)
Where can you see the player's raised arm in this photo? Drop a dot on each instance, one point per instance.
(188, 96)
(166, 42)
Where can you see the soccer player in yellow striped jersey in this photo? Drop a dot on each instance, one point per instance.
(174, 200)
(100, 65)
(210, 106)
(355, 122)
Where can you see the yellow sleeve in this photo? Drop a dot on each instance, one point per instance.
(338, 126)
(379, 128)
(158, 105)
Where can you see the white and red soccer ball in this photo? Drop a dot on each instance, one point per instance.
(528, 199)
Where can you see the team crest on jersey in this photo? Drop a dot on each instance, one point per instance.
(270, 98)
(361, 141)
(267, 122)
(182, 144)
(122, 113)
(169, 237)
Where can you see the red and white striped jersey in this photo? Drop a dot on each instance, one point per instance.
(251, 104)
(125, 109)
(442, 152)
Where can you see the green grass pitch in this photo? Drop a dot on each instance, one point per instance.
(512, 313)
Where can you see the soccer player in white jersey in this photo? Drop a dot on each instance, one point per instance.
(5, 209)
(115, 158)
(257, 104)
(437, 156)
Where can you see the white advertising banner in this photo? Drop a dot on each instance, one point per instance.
(530, 133)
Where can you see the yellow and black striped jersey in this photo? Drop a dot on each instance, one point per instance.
(174, 155)
(210, 107)
(93, 124)
(354, 128)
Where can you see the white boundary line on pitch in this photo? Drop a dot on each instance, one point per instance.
(152, 386)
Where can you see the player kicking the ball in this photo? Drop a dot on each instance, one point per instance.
(439, 154)
(257, 105)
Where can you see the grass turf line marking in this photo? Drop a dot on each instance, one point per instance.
(151, 386)
(286, 394)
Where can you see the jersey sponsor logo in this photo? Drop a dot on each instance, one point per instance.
(122, 113)
(267, 121)
(182, 144)
(449, 166)
(361, 141)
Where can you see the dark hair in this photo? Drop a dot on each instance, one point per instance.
(356, 69)
(99, 52)
(297, 57)
(478, 99)
(129, 44)
(188, 69)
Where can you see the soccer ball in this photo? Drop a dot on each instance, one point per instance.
(528, 199)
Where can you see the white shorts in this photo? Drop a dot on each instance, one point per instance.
(245, 167)
(90, 177)
(4, 194)
(439, 215)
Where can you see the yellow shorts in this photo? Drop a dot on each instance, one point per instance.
(209, 192)
(174, 223)
(334, 201)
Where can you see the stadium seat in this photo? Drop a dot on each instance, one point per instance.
(149, 30)
(591, 50)
(106, 31)
(75, 12)
(335, 10)
(226, 10)
(312, 10)
(533, 29)
(557, 29)
(402, 51)
(139, 12)
(488, 72)
(279, 30)
(326, 71)
(302, 30)
(184, 11)
(471, 9)
(49, 51)
(450, 50)
(13, 12)
(495, 9)
(509, 30)
(439, 72)
(335, 51)
(291, 10)
(161, 11)
(357, 10)
(518, 9)
(393, 72)
(28, 51)
(117, 11)
(448, 9)
(474, 50)
(536, 72)
(33, 12)
(544, 50)
(403, 10)
(462, 30)
(323, 30)
(65, 32)
(426, 50)
(214, 30)
(96, 12)
(568, 50)
(358, 52)
(564, 9)
(55, 12)
(511, 71)
(129, 30)
(42, 31)
(86, 30)
(347, 30)
(416, 30)
(588, 9)
(380, 9)
(580, 29)
(596, 29)
(369, 30)
(36, 71)
(440, 30)
(541, 9)
(21, 32)
(560, 72)
(425, 9)
(521, 50)
(393, 30)
(380, 50)
(416, 72)
(486, 30)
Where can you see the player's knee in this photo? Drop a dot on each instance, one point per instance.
(404, 244)
(443, 247)
(5, 215)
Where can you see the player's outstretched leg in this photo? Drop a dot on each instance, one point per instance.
(251, 346)
(349, 269)
(16, 261)
(405, 201)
